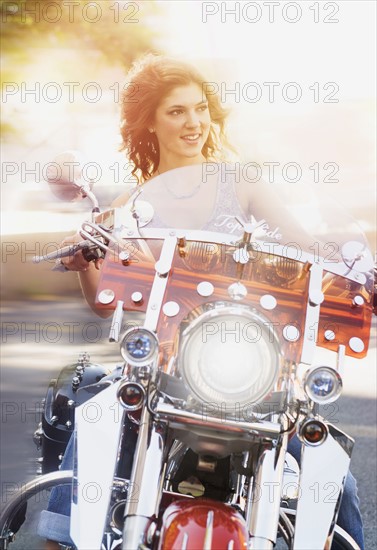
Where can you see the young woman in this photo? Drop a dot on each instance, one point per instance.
(168, 122)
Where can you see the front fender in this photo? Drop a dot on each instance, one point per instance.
(202, 523)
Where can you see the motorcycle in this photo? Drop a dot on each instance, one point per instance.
(244, 331)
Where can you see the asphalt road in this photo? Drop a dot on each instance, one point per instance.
(39, 338)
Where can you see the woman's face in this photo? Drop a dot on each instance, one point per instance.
(182, 124)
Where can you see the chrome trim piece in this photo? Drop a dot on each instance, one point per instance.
(170, 309)
(184, 541)
(267, 301)
(159, 285)
(241, 256)
(358, 301)
(340, 358)
(106, 296)
(179, 417)
(338, 268)
(205, 288)
(329, 335)
(291, 333)
(163, 265)
(116, 322)
(208, 536)
(99, 425)
(237, 291)
(124, 257)
(146, 478)
(316, 297)
(349, 540)
(356, 344)
(312, 316)
(323, 472)
(137, 297)
(107, 235)
(262, 511)
(344, 440)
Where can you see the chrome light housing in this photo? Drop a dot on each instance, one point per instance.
(322, 384)
(139, 347)
(229, 355)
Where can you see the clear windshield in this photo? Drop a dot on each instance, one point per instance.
(219, 198)
(249, 243)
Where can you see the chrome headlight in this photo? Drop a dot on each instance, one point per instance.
(323, 384)
(229, 355)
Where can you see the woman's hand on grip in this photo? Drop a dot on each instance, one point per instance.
(76, 261)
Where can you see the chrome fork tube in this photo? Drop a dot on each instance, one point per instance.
(263, 504)
(145, 488)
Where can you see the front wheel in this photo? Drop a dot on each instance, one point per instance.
(17, 504)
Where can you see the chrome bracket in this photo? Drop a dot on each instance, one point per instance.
(315, 299)
(323, 472)
(163, 267)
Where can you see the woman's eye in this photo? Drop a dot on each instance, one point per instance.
(175, 112)
(203, 107)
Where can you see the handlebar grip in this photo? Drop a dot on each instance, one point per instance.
(63, 252)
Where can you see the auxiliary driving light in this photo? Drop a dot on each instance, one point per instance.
(139, 347)
(323, 385)
(313, 432)
(131, 395)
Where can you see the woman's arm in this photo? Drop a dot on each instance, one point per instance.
(88, 273)
(89, 280)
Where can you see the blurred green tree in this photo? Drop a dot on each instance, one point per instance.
(119, 31)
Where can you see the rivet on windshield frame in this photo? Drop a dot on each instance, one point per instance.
(124, 257)
(316, 297)
(162, 268)
(356, 344)
(267, 301)
(171, 309)
(137, 297)
(329, 335)
(358, 301)
(106, 296)
(291, 333)
(205, 288)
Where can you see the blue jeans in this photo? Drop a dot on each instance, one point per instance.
(54, 522)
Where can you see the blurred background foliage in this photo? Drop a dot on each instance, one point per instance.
(114, 33)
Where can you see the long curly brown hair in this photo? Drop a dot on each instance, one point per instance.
(150, 80)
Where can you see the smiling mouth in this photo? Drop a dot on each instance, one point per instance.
(191, 137)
